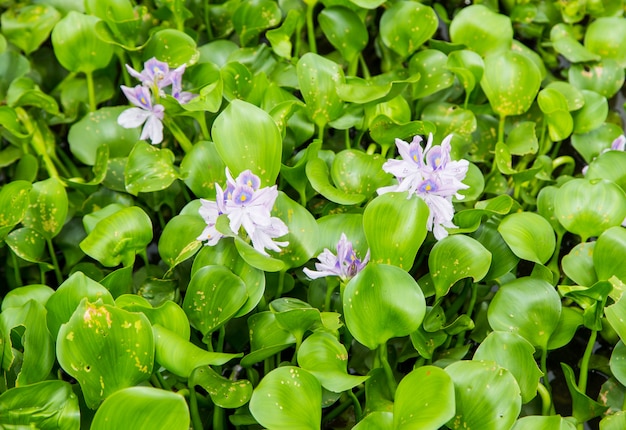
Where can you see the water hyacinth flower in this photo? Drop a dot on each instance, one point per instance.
(247, 206)
(345, 264)
(430, 174)
(143, 112)
(155, 74)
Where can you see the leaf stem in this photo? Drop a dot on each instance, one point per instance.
(91, 91)
(358, 411)
(55, 262)
(384, 360)
(584, 362)
(181, 137)
(546, 380)
(193, 409)
(310, 28)
(501, 128)
(546, 399)
(16, 268)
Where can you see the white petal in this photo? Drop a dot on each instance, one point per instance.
(153, 130)
(133, 117)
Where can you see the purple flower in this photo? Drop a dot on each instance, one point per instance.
(345, 264)
(176, 78)
(155, 74)
(144, 112)
(430, 174)
(247, 206)
(619, 144)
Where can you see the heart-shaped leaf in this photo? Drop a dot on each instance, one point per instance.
(149, 169)
(482, 30)
(223, 392)
(344, 30)
(529, 235)
(171, 46)
(608, 249)
(406, 26)
(48, 208)
(202, 168)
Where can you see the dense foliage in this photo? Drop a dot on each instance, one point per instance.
(305, 214)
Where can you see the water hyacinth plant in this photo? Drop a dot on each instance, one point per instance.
(312, 214)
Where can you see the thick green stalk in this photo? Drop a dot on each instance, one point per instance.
(310, 27)
(91, 91)
(584, 362)
(181, 137)
(384, 361)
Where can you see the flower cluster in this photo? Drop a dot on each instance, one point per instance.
(248, 206)
(155, 77)
(431, 175)
(344, 265)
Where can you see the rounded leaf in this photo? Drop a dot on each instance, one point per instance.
(554, 422)
(288, 398)
(529, 307)
(589, 207)
(607, 44)
(246, 137)
(178, 240)
(607, 253)
(224, 392)
(142, 408)
(481, 30)
(149, 169)
(344, 30)
(173, 47)
(395, 228)
(48, 207)
(202, 168)
(303, 231)
(480, 387)
(77, 46)
(407, 25)
(529, 235)
(578, 264)
(382, 302)
(424, 400)
(14, 202)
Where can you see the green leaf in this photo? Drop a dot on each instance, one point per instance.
(583, 407)
(77, 46)
(28, 244)
(556, 109)
(331, 227)
(168, 314)
(288, 398)
(526, 306)
(20, 296)
(616, 421)
(117, 238)
(605, 77)
(377, 420)
(46, 405)
(280, 37)
(178, 241)
(232, 132)
(142, 408)
(173, 47)
(180, 356)
(344, 30)
(327, 359)
(607, 44)
(318, 174)
(431, 67)
(48, 208)
(563, 38)
(591, 144)
(554, 422)
(593, 113)
(101, 128)
(267, 337)
(457, 257)
(29, 26)
(105, 349)
(503, 260)
(608, 249)
(424, 399)
(589, 207)
(510, 82)
(482, 30)
(395, 242)
(14, 202)
(479, 388)
(319, 79)
(202, 168)
(33, 338)
(529, 235)
(224, 392)
(382, 302)
(609, 165)
(213, 297)
(515, 354)
(618, 362)
(62, 304)
(578, 264)
(149, 169)
(406, 26)
(253, 17)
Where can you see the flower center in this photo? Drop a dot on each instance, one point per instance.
(427, 186)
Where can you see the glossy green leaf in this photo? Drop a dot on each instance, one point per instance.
(232, 131)
(318, 174)
(20, 296)
(503, 259)
(554, 422)
(457, 257)
(62, 304)
(288, 398)
(395, 242)
(202, 168)
(570, 320)
(605, 77)
(117, 238)
(224, 392)
(319, 79)
(142, 408)
(468, 68)
(563, 38)
(424, 399)
(515, 354)
(618, 362)
(450, 119)
(591, 144)
(382, 302)
(48, 207)
(149, 169)
(589, 207)
(406, 26)
(430, 66)
(584, 408)
(608, 249)
(25, 92)
(482, 30)
(173, 47)
(253, 17)
(344, 30)
(30, 354)
(554, 105)
(213, 296)
(327, 359)
(28, 27)
(255, 259)
(607, 44)
(267, 337)
(592, 114)
(295, 316)
(529, 236)
(479, 388)
(77, 46)
(616, 421)
(331, 227)
(280, 37)
(168, 314)
(28, 244)
(357, 172)
(572, 95)
(180, 356)
(578, 264)
(609, 165)
(46, 405)
(510, 82)
(377, 420)
(528, 307)
(105, 349)
(14, 202)
(178, 241)
(522, 139)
